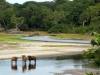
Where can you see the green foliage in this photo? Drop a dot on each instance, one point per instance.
(91, 73)
(97, 38)
(80, 30)
(93, 42)
(97, 62)
(59, 28)
(17, 21)
(94, 53)
(89, 54)
(49, 16)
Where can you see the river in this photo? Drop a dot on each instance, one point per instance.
(49, 39)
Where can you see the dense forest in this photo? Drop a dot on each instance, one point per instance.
(58, 16)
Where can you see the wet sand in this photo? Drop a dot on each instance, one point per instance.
(41, 49)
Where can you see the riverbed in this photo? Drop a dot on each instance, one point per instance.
(49, 66)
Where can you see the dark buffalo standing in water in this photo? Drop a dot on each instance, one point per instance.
(30, 58)
(24, 59)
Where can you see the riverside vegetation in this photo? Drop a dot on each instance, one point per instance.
(16, 37)
(57, 16)
(94, 53)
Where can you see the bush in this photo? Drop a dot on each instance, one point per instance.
(82, 30)
(90, 54)
(60, 28)
(94, 53)
(91, 73)
(93, 42)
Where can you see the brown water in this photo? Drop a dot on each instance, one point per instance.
(44, 66)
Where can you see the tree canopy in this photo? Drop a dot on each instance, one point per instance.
(70, 16)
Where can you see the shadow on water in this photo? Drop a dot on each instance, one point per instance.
(74, 57)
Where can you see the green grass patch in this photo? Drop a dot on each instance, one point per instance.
(55, 46)
(73, 36)
(11, 38)
(16, 37)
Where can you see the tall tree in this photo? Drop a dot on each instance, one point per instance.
(90, 12)
(17, 21)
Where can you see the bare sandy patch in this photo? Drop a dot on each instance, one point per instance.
(7, 50)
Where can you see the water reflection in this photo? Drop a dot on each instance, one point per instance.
(14, 67)
(31, 66)
(43, 66)
(49, 39)
(24, 67)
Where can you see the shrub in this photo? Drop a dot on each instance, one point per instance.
(93, 42)
(60, 28)
(91, 73)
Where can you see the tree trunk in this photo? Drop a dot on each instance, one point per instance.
(84, 23)
(16, 28)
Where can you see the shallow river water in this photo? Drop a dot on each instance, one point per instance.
(44, 66)
(49, 39)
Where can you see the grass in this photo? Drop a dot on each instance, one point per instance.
(64, 36)
(16, 38)
(73, 36)
(11, 38)
(54, 45)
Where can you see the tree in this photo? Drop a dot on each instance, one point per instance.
(2, 23)
(17, 7)
(7, 15)
(90, 12)
(4, 5)
(17, 21)
(50, 5)
(60, 1)
(94, 53)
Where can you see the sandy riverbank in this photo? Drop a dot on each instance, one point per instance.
(45, 49)
(40, 49)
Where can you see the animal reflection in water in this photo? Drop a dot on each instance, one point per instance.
(24, 66)
(31, 66)
(14, 67)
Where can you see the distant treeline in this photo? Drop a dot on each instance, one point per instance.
(58, 16)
